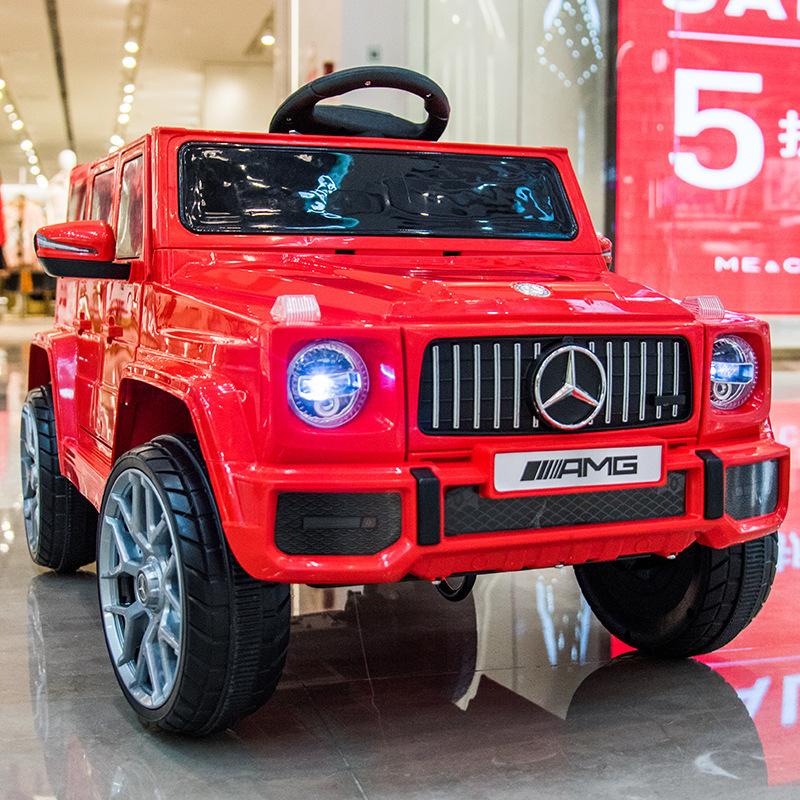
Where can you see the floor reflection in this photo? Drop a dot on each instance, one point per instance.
(393, 692)
(372, 698)
(763, 662)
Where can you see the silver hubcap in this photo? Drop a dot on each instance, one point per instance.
(29, 459)
(148, 584)
(141, 588)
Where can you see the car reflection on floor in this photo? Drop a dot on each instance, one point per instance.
(370, 694)
(391, 691)
(763, 662)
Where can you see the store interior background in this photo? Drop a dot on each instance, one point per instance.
(519, 72)
(510, 77)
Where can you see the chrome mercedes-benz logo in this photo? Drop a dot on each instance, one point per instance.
(142, 589)
(532, 289)
(569, 387)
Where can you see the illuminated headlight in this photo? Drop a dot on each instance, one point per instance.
(734, 371)
(327, 384)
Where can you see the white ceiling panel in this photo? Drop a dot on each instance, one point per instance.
(180, 38)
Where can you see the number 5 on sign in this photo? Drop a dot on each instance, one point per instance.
(690, 120)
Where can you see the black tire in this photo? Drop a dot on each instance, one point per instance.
(60, 523)
(195, 642)
(455, 589)
(686, 606)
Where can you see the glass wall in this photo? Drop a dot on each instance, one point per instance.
(520, 72)
(524, 72)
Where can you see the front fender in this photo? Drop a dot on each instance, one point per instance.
(221, 414)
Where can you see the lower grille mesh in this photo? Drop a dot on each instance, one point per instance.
(465, 511)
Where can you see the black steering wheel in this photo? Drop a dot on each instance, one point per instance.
(299, 112)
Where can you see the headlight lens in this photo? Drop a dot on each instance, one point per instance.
(734, 371)
(327, 384)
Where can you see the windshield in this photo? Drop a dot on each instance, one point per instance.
(264, 189)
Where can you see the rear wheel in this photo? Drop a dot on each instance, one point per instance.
(692, 604)
(196, 643)
(60, 523)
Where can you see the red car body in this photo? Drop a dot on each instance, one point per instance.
(191, 342)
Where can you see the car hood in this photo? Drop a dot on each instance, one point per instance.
(407, 289)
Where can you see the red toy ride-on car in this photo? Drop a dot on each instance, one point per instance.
(341, 353)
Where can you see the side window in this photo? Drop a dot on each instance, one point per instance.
(130, 227)
(103, 195)
(76, 205)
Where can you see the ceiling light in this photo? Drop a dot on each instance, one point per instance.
(128, 98)
(35, 170)
(41, 180)
(113, 148)
(2, 84)
(13, 116)
(8, 108)
(17, 125)
(33, 159)
(117, 140)
(268, 39)
(26, 144)
(129, 88)
(129, 62)
(125, 108)
(123, 119)
(131, 46)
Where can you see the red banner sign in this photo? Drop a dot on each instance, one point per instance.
(708, 147)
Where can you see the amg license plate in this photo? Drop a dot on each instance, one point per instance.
(563, 469)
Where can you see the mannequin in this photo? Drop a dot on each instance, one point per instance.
(58, 188)
(23, 217)
(2, 230)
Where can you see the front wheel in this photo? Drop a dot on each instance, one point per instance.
(692, 604)
(195, 642)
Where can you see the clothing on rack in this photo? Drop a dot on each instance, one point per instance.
(2, 229)
(23, 217)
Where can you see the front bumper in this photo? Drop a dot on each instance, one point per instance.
(376, 523)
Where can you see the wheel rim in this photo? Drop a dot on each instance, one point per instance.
(29, 459)
(141, 588)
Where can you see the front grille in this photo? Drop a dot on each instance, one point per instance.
(465, 511)
(474, 387)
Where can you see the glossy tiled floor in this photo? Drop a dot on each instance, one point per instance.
(392, 692)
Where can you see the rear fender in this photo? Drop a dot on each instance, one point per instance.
(52, 361)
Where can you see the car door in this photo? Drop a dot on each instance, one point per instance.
(107, 318)
(89, 320)
(123, 297)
